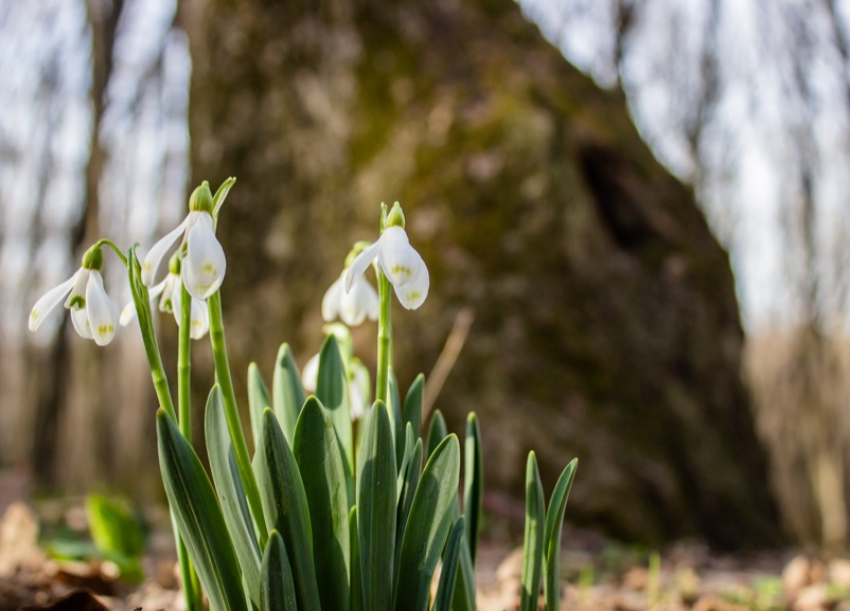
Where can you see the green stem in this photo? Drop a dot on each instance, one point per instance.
(141, 299)
(384, 325)
(384, 337)
(111, 244)
(191, 587)
(231, 412)
(184, 365)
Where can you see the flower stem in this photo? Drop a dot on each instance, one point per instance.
(231, 412)
(191, 587)
(141, 299)
(384, 326)
(384, 337)
(111, 244)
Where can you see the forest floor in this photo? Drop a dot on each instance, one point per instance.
(598, 574)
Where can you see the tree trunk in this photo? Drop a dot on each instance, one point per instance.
(606, 325)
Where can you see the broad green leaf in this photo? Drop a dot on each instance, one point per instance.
(405, 459)
(532, 551)
(287, 392)
(396, 423)
(437, 431)
(448, 575)
(376, 509)
(113, 527)
(286, 510)
(231, 494)
(317, 452)
(332, 391)
(278, 586)
(464, 598)
(473, 483)
(199, 519)
(258, 400)
(408, 481)
(552, 535)
(356, 583)
(428, 526)
(413, 404)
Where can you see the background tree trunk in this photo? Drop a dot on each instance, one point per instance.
(606, 324)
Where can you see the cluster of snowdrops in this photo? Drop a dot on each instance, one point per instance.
(346, 504)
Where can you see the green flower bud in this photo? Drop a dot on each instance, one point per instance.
(174, 263)
(202, 199)
(93, 258)
(396, 216)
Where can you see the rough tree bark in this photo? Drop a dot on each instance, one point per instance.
(606, 322)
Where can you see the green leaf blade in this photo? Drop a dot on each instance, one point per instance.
(285, 505)
(332, 391)
(532, 552)
(287, 392)
(231, 493)
(376, 509)
(451, 561)
(473, 483)
(552, 535)
(199, 518)
(320, 461)
(278, 585)
(258, 400)
(428, 526)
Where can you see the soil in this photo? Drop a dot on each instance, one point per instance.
(598, 574)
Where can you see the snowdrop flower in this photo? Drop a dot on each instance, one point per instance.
(399, 262)
(204, 263)
(93, 313)
(170, 293)
(352, 307)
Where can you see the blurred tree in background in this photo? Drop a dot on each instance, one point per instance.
(598, 309)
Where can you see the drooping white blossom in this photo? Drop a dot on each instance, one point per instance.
(169, 292)
(93, 313)
(352, 307)
(399, 262)
(203, 265)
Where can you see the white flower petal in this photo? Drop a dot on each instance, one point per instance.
(413, 294)
(359, 388)
(129, 312)
(200, 322)
(80, 318)
(205, 264)
(310, 374)
(361, 263)
(333, 297)
(360, 302)
(77, 296)
(398, 258)
(154, 257)
(102, 312)
(170, 289)
(48, 302)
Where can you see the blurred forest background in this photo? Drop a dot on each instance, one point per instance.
(635, 217)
